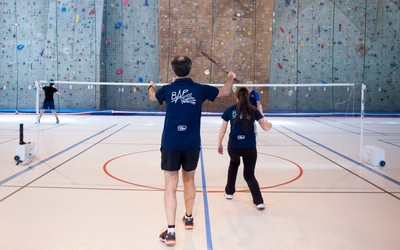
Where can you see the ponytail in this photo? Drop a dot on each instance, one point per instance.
(244, 109)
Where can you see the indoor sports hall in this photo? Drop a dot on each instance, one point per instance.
(80, 136)
(98, 185)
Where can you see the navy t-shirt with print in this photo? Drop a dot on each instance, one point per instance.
(237, 139)
(254, 97)
(183, 99)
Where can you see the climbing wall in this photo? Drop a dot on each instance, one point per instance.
(72, 51)
(22, 57)
(281, 42)
(382, 56)
(237, 34)
(319, 41)
(129, 54)
(56, 40)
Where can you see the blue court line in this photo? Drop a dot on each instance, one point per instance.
(347, 158)
(51, 157)
(206, 212)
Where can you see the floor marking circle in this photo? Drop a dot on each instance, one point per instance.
(198, 191)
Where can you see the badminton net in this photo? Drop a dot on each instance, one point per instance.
(132, 98)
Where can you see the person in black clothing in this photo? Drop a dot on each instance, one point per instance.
(48, 102)
(242, 143)
(255, 101)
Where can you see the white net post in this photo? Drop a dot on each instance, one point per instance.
(36, 150)
(363, 87)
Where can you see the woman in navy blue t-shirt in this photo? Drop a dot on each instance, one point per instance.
(242, 143)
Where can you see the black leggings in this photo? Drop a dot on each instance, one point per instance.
(249, 156)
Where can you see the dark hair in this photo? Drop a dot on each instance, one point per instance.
(181, 65)
(244, 109)
(51, 81)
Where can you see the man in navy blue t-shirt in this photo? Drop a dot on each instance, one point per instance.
(255, 101)
(180, 142)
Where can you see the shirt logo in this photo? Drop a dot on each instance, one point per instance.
(182, 127)
(241, 137)
(234, 114)
(184, 96)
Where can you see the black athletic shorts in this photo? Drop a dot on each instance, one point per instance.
(172, 160)
(48, 105)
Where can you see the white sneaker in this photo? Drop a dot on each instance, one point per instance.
(229, 196)
(261, 206)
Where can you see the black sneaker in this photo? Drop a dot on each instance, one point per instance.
(188, 222)
(57, 121)
(168, 238)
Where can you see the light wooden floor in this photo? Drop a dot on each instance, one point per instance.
(97, 185)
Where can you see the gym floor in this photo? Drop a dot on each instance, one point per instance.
(96, 184)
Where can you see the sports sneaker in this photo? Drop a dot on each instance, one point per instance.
(188, 222)
(57, 121)
(261, 206)
(229, 196)
(168, 238)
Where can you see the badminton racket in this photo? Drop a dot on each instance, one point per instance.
(213, 61)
